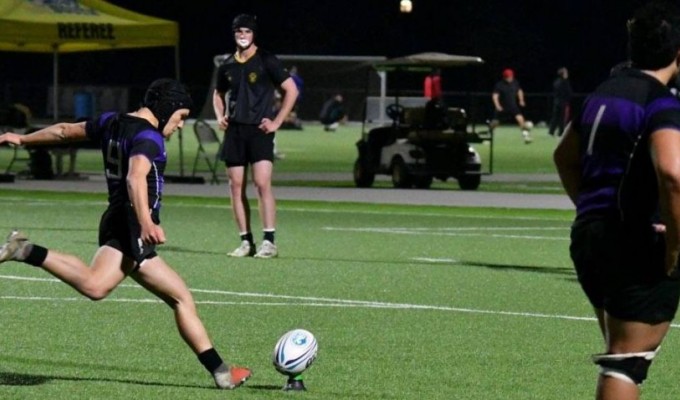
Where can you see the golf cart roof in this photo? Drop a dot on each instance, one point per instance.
(426, 61)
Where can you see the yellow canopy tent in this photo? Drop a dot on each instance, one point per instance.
(68, 26)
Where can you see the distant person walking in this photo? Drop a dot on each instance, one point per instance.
(508, 101)
(248, 79)
(561, 108)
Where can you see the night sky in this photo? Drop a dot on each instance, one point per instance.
(532, 37)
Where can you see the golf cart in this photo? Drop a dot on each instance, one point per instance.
(422, 141)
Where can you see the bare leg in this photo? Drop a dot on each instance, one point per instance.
(109, 268)
(627, 337)
(262, 176)
(156, 276)
(239, 201)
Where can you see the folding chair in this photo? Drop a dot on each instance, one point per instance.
(207, 136)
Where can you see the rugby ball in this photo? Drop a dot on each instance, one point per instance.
(528, 124)
(295, 352)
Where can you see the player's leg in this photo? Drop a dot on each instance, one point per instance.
(108, 268)
(156, 276)
(631, 347)
(519, 118)
(263, 166)
(262, 176)
(234, 155)
(239, 200)
(96, 281)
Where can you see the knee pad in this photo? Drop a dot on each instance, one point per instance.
(629, 367)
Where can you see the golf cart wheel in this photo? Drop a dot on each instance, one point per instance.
(401, 178)
(363, 178)
(424, 182)
(469, 182)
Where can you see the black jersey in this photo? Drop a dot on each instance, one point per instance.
(251, 85)
(507, 93)
(616, 121)
(122, 136)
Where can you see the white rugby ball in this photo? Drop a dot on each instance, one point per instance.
(528, 124)
(295, 352)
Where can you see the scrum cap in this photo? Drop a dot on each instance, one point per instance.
(244, 21)
(165, 96)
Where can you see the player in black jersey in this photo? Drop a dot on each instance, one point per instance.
(248, 79)
(618, 162)
(133, 151)
(508, 101)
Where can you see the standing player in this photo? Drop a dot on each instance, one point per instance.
(134, 160)
(618, 162)
(250, 77)
(507, 98)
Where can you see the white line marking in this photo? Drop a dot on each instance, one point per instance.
(302, 301)
(435, 260)
(421, 231)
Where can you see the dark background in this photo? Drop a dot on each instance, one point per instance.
(532, 37)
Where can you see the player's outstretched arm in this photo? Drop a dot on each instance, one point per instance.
(60, 132)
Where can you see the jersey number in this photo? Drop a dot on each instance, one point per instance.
(114, 169)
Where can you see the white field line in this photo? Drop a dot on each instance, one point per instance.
(454, 232)
(308, 301)
(377, 211)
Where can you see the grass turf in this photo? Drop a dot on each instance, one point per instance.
(406, 302)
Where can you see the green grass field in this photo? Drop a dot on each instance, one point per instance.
(407, 303)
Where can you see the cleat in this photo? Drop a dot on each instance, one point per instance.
(235, 377)
(246, 249)
(15, 248)
(267, 250)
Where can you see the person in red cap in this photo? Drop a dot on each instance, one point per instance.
(508, 99)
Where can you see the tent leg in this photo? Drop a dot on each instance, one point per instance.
(55, 84)
(181, 178)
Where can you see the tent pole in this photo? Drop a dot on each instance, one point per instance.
(55, 80)
(181, 143)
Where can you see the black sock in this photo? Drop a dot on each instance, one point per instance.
(269, 235)
(247, 236)
(211, 360)
(36, 256)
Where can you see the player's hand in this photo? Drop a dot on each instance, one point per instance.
(522, 104)
(659, 228)
(223, 122)
(152, 234)
(499, 108)
(269, 126)
(11, 138)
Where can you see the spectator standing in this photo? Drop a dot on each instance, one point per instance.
(250, 77)
(561, 108)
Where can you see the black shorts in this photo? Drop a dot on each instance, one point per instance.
(621, 270)
(120, 229)
(246, 144)
(507, 115)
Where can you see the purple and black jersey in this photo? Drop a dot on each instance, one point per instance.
(251, 85)
(615, 123)
(122, 136)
